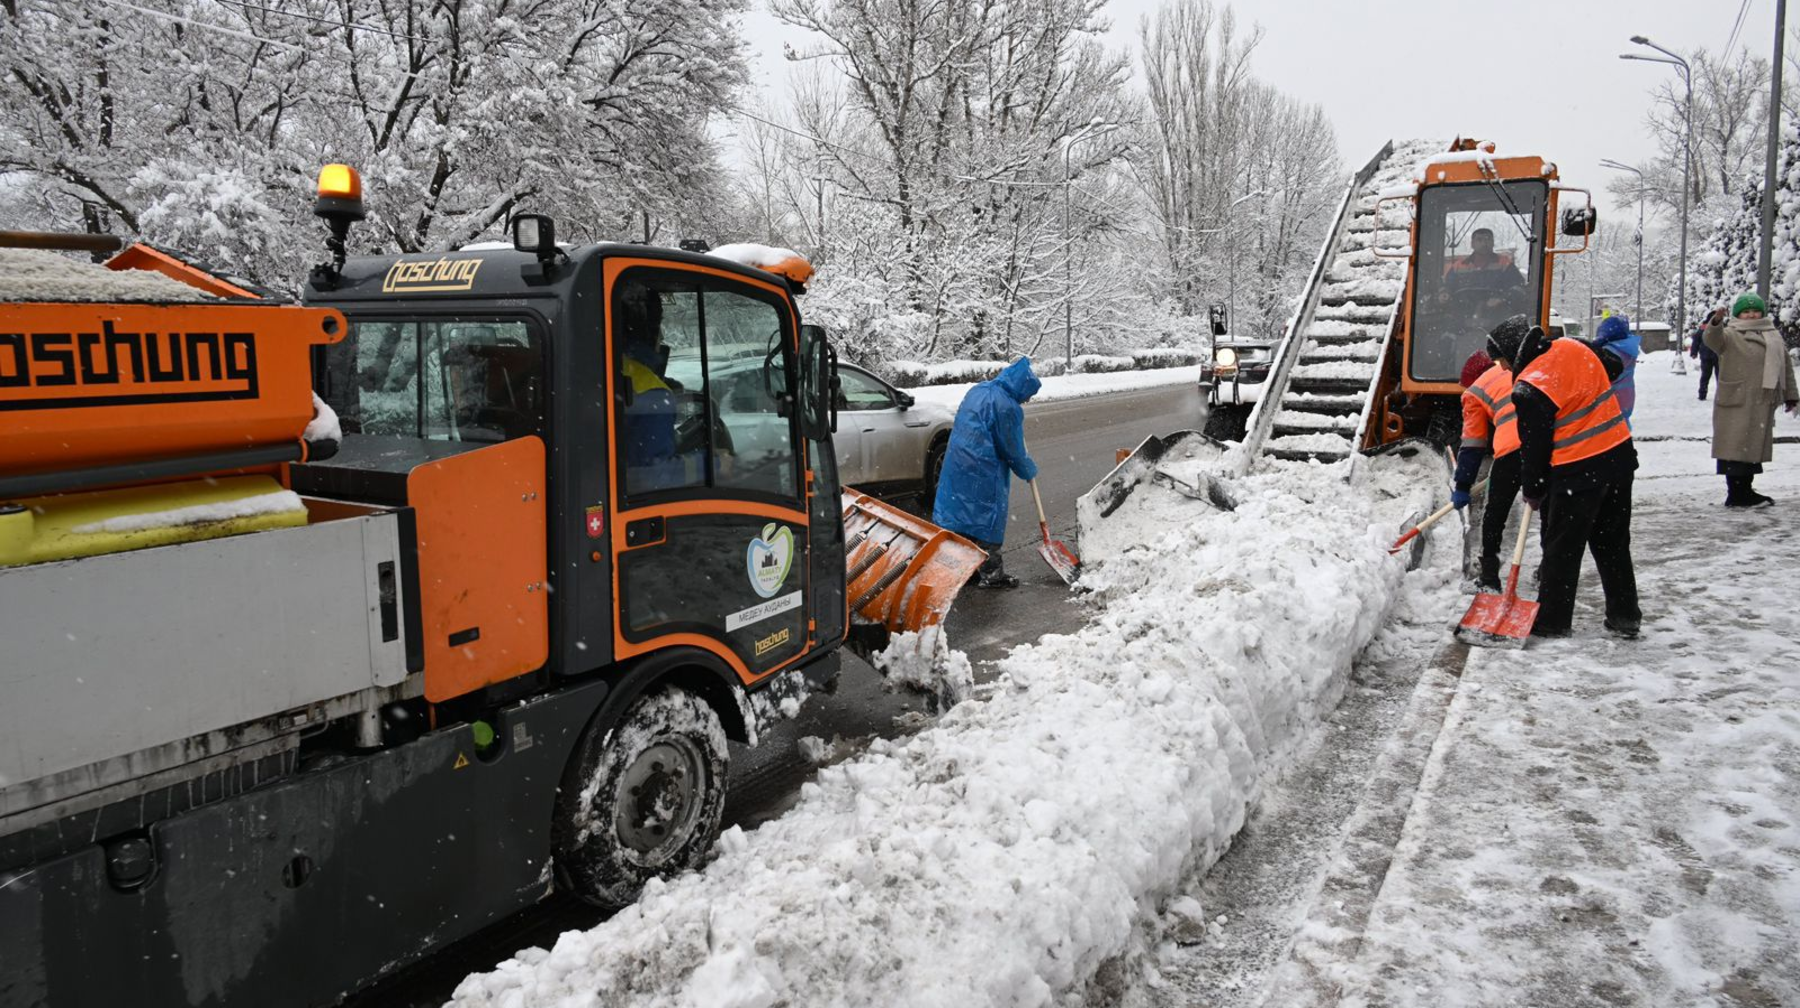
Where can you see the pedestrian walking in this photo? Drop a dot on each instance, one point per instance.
(1490, 428)
(987, 448)
(1616, 336)
(1576, 463)
(1709, 361)
(1755, 375)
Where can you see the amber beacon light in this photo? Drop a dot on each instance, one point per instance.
(340, 204)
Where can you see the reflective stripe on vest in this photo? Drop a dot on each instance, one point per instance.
(1493, 391)
(1588, 419)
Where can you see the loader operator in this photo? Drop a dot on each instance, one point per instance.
(1484, 281)
(1576, 461)
(987, 448)
(1490, 426)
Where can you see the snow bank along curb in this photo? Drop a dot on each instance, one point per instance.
(1002, 856)
(1071, 386)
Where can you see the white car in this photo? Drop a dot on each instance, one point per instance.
(888, 443)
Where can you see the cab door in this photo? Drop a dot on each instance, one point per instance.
(708, 472)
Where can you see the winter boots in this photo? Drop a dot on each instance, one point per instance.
(1741, 493)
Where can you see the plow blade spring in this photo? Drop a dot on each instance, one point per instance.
(902, 571)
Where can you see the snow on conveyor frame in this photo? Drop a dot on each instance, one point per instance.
(1004, 855)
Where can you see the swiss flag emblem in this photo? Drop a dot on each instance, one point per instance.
(596, 523)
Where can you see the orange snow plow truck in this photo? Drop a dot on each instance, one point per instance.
(336, 631)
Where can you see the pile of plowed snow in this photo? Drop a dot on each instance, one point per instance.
(1003, 855)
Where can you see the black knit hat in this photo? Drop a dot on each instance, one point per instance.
(1517, 340)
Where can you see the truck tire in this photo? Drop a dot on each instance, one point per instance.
(642, 798)
(934, 468)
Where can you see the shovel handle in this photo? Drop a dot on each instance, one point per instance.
(1040, 503)
(1512, 577)
(1429, 521)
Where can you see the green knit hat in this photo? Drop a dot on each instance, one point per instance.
(1748, 301)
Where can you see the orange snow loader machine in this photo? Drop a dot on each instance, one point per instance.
(1481, 248)
(336, 631)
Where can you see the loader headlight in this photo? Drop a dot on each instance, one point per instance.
(1224, 357)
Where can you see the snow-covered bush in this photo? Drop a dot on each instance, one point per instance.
(1099, 364)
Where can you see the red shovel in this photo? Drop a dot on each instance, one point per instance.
(1430, 520)
(1502, 620)
(1061, 559)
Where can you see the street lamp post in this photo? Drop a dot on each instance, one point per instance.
(1765, 249)
(1637, 306)
(1094, 128)
(1687, 161)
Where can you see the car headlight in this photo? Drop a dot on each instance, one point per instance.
(1224, 357)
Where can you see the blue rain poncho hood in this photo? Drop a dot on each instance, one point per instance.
(987, 448)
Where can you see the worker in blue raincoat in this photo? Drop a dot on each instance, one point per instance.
(987, 448)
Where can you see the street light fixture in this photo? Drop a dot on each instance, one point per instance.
(1687, 159)
(1095, 127)
(1638, 302)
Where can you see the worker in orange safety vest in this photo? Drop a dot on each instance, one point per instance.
(1490, 427)
(1576, 461)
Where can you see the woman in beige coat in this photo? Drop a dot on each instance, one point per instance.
(1755, 375)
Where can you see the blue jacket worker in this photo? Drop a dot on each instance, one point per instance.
(1615, 334)
(987, 448)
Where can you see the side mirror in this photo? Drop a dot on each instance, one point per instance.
(905, 401)
(1580, 222)
(818, 383)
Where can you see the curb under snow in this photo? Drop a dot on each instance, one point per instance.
(1002, 856)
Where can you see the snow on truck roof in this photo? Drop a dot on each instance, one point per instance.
(34, 275)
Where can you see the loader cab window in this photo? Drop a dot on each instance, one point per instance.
(468, 379)
(701, 373)
(1480, 261)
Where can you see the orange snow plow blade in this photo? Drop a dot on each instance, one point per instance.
(902, 572)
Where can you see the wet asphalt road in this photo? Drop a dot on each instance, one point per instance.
(1074, 443)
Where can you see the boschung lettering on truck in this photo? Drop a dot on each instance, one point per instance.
(114, 368)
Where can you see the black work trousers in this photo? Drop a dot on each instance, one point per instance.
(1503, 487)
(1707, 367)
(1596, 521)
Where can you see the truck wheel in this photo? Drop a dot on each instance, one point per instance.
(642, 798)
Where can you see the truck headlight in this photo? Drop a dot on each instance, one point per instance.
(1224, 357)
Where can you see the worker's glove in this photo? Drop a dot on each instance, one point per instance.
(1459, 498)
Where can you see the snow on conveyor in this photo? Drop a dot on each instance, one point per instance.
(1003, 855)
(1344, 335)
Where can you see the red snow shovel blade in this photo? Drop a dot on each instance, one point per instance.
(1060, 558)
(1497, 621)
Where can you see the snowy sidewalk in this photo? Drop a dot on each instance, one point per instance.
(1606, 822)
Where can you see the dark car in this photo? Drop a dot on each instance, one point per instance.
(1232, 366)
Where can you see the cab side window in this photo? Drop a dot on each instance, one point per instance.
(700, 373)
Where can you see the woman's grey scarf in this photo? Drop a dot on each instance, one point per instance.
(1774, 350)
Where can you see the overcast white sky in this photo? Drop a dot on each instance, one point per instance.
(1535, 76)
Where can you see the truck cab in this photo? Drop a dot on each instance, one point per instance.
(636, 412)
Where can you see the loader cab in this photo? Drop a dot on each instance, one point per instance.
(1480, 261)
(652, 470)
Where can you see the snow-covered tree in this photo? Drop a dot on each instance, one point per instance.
(201, 124)
(1726, 262)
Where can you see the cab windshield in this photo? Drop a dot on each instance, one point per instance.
(1480, 262)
